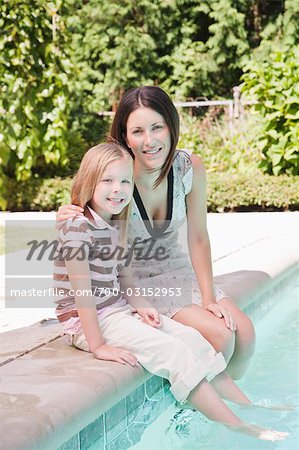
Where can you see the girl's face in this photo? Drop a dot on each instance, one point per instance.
(114, 189)
(148, 137)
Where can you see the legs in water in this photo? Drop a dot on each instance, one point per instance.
(206, 399)
(236, 347)
(244, 340)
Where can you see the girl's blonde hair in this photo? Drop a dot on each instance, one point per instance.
(92, 166)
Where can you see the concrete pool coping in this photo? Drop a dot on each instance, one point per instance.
(50, 391)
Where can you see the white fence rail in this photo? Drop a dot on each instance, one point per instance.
(235, 106)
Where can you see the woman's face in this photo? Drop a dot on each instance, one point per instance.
(148, 137)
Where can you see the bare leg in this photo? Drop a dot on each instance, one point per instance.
(237, 348)
(245, 340)
(228, 389)
(205, 398)
(212, 328)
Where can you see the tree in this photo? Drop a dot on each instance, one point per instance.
(34, 76)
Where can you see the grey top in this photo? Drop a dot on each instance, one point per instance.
(161, 265)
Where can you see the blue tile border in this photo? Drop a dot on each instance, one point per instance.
(263, 302)
(123, 425)
(94, 432)
(71, 444)
(115, 420)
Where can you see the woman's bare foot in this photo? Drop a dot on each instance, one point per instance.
(265, 434)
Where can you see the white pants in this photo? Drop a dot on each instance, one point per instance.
(174, 351)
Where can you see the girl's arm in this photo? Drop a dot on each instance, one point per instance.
(140, 304)
(199, 242)
(79, 275)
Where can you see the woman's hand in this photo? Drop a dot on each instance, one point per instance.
(221, 312)
(150, 316)
(66, 212)
(109, 353)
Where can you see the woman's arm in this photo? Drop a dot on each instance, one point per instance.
(198, 238)
(199, 242)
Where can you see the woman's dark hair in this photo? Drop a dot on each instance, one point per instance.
(154, 98)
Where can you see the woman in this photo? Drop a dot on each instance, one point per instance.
(170, 186)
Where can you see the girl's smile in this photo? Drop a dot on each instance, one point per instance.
(114, 189)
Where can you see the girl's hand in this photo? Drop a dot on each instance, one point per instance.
(221, 312)
(66, 212)
(109, 353)
(150, 316)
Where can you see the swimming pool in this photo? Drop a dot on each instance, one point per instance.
(273, 375)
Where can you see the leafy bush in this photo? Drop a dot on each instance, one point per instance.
(221, 147)
(226, 192)
(37, 194)
(35, 72)
(275, 85)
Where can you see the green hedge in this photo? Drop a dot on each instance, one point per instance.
(226, 192)
(37, 194)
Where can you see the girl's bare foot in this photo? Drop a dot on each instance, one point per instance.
(265, 434)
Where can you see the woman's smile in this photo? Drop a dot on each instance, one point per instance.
(148, 137)
(152, 152)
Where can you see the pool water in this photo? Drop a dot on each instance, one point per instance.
(272, 376)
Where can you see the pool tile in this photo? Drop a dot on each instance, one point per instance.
(121, 442)
(150, 411)
(115, 420)
(91, 434)
(154, 388)
(134, 403)
(168, 397)
(97, 445)
(71, 444)
(135, 431)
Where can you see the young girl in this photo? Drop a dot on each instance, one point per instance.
(94, 309)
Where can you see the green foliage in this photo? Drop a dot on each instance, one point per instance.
(226, 191)
(207, 55)
(34, 93)
(38, 195)
(223, 148)
(63, 61)
(185, 46)
(280, 34)
(114, 47)
(275, 85)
